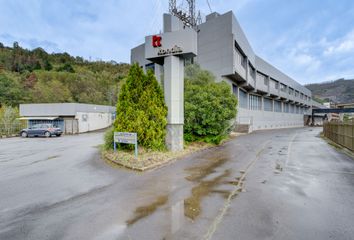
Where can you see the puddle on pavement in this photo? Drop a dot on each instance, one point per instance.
(144, 211)
(191, 207)
(199, 172)
(192, 204)
(235, 183)
(224, 193)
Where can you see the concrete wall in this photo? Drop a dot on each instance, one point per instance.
(215, 46)
(93, 121)
(269, 120)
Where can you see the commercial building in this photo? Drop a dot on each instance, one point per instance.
(267, 98)
(72, 118)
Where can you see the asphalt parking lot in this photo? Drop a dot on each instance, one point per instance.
(287, 184)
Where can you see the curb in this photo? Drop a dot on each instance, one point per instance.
(153, 166)
(167, 161)
(338, 147)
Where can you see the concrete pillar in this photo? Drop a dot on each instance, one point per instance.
(174, 98)
(273, 105)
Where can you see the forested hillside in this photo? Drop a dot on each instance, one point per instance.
(35, 76)
(339, 91)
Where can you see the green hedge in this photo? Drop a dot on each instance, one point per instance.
(209, 107)
(141, 108)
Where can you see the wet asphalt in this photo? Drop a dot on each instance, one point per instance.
(275, 184)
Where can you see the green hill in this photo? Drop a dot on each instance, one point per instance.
(35, 76)
(339, 91)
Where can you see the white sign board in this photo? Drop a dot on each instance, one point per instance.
(179, 43)
(125, 137)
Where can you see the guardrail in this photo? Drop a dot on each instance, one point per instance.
(341, 133)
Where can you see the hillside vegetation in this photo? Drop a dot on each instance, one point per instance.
(339, 91)
(35, 76)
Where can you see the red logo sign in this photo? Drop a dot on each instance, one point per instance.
(156, 41)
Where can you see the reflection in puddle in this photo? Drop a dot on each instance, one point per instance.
(177, 217)
(192, 204)
(144, 211)
(198, 173)
(224, 193)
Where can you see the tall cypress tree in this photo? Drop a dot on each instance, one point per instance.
(141, 109)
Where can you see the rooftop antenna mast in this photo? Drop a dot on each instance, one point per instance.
(192, 17)
(188, 18)
(172, 6)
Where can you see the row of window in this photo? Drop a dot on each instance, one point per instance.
(241, 60)
(254, 102)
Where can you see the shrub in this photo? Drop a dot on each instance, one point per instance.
(209, 107)
(141, 108)
(8, 120)
(108, 138)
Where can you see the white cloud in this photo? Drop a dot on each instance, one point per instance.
(341, 46)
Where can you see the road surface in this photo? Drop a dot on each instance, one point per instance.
(276, 184)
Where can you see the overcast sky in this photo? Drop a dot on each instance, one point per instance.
(309, 40)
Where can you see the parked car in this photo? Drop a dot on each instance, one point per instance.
(46, 130)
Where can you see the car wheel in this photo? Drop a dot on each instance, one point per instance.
(58, 135)
(47, 134)
(24, 134)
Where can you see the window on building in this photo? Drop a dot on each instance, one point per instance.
(243, 103)
(268, 104)
(188, 61)
(255, 102)
(252, 71)
(283, 87)
(150, 66)
(266, 81)
(240, 58)
(276, 86)
(291, 108)
(277, 106)
(234, 89)
(286, 107)
(301, 110)
(291, 91)
(262, 78)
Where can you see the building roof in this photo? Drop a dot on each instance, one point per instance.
(62, 109)
(344, 105)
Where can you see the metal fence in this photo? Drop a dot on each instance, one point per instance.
(341, 133)
(11, 129)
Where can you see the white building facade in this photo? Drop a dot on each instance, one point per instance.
(267, 98)
(72, 118)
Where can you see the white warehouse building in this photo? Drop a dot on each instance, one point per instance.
(267, 98)
(72, 118)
